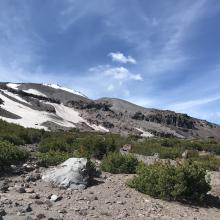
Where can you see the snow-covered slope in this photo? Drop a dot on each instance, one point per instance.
(55, 86)
(29, 116)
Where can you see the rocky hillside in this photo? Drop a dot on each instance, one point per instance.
(53, 107)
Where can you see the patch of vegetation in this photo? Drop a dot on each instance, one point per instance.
(10, 154)
(52, 158)
(209, 162)
(84, 144)
(118, 163)
(19, 135)
(186, 182)
(173, 148)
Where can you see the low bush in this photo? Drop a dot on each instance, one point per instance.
(52, 158)
(10, 154)
(118, 163)
(209, 162)
(153, 147)
(185, 182)
(19, 135)
(86, 144)
(174, 147)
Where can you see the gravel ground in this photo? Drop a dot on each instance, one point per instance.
(110, 198)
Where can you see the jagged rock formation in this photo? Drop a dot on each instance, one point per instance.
(53, 107)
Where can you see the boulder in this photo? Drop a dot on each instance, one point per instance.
(74, 173)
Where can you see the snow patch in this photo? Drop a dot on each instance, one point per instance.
(55, 86)
(13, 85)
(15, 96)
(144, 133)
(98, 127)
(33, 118)
(34, 92)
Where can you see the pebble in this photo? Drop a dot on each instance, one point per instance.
(29, 190)
(2, 212)
(20, 190)
(41, 216)
(55, 198)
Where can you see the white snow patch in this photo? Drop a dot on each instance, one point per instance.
(144, 133)
(98, 127)
(33, 118)
(13, 85)
(15, 96)
(34, 92)
(55, 86)
(68, 114)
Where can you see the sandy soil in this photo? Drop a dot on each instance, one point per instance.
(110, 198)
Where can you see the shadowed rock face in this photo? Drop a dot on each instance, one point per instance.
(115, 115)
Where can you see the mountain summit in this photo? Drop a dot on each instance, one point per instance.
(51, 107)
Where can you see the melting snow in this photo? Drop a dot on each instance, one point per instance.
(98, 127)
(55, 86)
(34, 92)
(15, 96)
(33, 118)
(13, 85)
(144, 133)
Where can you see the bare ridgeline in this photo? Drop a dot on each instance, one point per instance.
(115, 186)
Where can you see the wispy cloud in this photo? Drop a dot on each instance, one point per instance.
(121, 58)
(188, 105)
(118, 73)
(174, 31)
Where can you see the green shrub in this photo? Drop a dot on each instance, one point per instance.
(53, 158)
(209, 162)
(152, 148)
(10, 154)
(19, 135)
(185, 182)
(174, 147)
(118, 163)
(86, 144)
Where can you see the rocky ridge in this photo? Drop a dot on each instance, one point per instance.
(56, 105)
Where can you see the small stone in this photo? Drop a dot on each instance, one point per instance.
(4, 186)
(21, 190)
(48, 203)
(34, 196)
(29, 190)
(2, 212)
(83, 212)
(120, 202)
(20, 214)
(39, 202)
(63, 211)
(123, 216)
(55, 198)
(26, 209)
(41, 216)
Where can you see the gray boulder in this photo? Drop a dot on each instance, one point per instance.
(74, 173)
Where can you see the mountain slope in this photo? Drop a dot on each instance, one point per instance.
(54, 107)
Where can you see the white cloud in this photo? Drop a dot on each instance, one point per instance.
(121, 58)
(118, 73)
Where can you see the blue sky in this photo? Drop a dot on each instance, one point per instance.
(155, 53)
